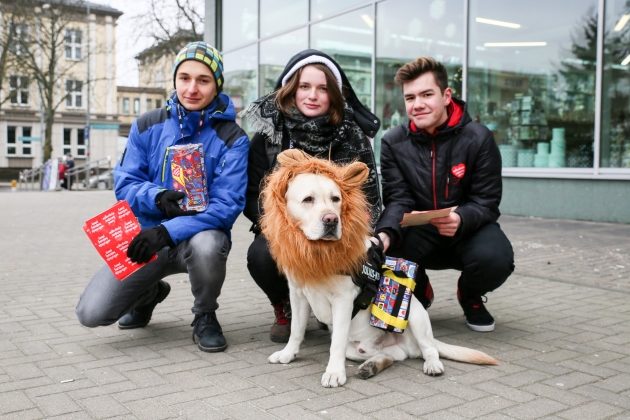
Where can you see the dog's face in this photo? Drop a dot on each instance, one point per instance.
(314, 201)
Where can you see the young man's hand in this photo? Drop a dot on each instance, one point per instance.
(147, 243)
(168, 202)
(447, 225)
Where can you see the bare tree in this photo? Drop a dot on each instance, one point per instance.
(8, 23)
(40, 54)
(169, 24)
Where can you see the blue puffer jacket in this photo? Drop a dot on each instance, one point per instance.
(144, 169)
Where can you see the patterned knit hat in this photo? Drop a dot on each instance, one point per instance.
(205, 53)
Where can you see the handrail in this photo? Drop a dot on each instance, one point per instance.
(30, 179)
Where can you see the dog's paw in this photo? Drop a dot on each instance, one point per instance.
(367, 370)
(333, 379)
(433, 367)
(281, 356)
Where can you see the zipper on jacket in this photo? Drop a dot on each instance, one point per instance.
(448, 180)
(433, 177)
(164, 164)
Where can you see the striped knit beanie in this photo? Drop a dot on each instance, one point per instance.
(205, 53)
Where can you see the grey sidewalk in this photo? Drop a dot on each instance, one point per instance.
(563, 335)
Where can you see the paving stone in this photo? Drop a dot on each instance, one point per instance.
(558, 361)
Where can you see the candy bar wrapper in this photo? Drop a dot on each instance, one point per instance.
(111, 233)
(390, 308)
(189, 175)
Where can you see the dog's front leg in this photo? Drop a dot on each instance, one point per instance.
(335, 374)
(420, 326)
(299, 318)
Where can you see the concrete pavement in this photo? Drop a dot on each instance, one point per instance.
(562, 336)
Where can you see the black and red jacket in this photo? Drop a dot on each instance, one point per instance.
(459, 165)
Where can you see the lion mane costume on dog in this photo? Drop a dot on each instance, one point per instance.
(308, 261)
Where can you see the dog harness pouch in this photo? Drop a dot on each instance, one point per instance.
(390, 309)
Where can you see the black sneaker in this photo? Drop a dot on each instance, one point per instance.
(424, 292)
(207, 333)
(140, 316)
(477, 316)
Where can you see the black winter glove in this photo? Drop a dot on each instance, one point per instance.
(147, 243)
(168, 202)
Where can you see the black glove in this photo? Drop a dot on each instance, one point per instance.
(168, 202)
(147, 243)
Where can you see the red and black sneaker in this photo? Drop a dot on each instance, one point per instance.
(281, 328)
(477, 316)
(424, 292)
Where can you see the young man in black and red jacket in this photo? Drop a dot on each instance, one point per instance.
(440, 158)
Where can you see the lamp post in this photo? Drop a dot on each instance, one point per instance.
(87, 131)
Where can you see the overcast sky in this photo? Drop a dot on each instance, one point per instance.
(126, 44)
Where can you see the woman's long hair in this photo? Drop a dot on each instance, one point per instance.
(285, 98)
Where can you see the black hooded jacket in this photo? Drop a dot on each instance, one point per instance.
(458, 166)
(262, 154)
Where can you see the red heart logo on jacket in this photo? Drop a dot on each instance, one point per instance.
(459, 170)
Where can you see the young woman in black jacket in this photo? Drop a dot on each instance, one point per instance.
(315, 109)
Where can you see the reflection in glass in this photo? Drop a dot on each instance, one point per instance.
(348, 39)
(279, 15)
(241, 23)
(404, 36)
(615, 138)
(274, 55)
(322, 8)
(532, 79)
(241, 77)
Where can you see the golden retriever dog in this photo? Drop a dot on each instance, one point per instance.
(316, 222)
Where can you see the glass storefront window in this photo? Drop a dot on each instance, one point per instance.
(348, 39)
(240, 26)
(274, 55)
(322, 8)
(240, 74)
(279, 15)
(404, 36)
(531, 79)
(615, 133)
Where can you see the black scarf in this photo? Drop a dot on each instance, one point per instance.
(316, 136)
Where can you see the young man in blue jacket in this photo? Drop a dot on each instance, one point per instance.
(437, 159)
(193, 242)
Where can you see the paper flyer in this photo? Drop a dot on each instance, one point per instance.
(423, 217)
(111, 233)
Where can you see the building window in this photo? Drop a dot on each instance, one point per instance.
(136, 106)
(73, 44)
(19, 138)
(74, 95)
(18, 90)
(81, 142)
(125, 106)
(19, 34)
(615, 133)
(535, 88)
(158, 103)
(67, 137)
(149, 104)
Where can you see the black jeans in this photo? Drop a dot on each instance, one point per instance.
(264, 271)
(485, 257)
